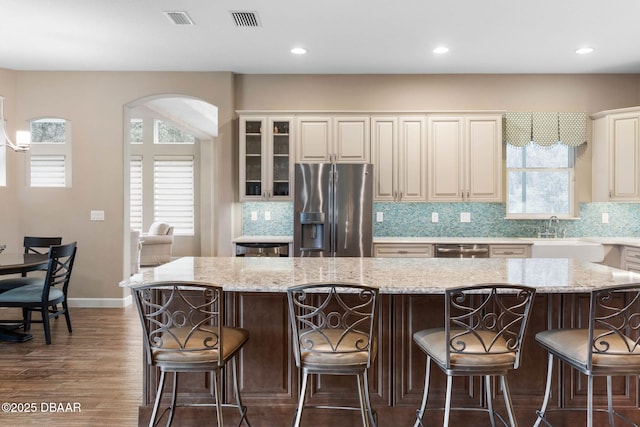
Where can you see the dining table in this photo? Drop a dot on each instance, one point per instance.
(14, 263)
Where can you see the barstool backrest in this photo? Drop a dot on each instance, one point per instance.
(333, 318)
(614, 323)
(487, 319)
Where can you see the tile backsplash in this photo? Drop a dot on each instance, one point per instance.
(486, 220)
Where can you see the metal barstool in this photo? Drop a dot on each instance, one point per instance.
(184, 332)
(482, 336)
(603, 348)
(333, 334)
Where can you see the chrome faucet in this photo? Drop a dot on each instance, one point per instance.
(551, 229)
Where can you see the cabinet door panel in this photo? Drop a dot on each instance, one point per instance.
(253, 158)
(625, 157)
(484, 159)
(445, 158)
(384, 157)
(314, 139)
(352, 142)
(266, 366)
(412, 164)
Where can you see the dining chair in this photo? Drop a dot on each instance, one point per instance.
(482, 336)
(333, 334)
(184, 332)
(46, 295)
(32, 245)
(608, 346)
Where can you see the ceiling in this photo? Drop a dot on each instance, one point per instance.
(341, 36)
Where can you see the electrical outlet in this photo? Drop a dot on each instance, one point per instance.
(267, 216)
(605, 217)
(379, 216)
(254, 216)
(97, 215)
(434, 216)
(465, 216)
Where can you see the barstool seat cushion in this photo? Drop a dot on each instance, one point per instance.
(168, 354)
(433, 342)
(331, 347)
(572, 345)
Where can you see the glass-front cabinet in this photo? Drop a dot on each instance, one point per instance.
(266, 168)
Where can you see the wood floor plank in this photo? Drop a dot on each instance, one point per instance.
(97, 368)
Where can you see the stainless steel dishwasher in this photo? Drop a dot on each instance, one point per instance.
(461, 250)
(262, 249)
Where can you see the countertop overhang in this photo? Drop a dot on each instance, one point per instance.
(391, 275)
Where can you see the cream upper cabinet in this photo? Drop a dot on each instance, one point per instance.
(338, 139)
(265, 152)
(399, 155)
(616, 155)
(465, 158)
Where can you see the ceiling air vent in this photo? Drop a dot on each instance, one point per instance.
(246, 19)
(179, 18)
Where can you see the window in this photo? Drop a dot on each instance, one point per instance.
(162, 170)
(173, 195)
(50, 158)
(137, 131)
(135, 193)
(540, 181)
(167, 134)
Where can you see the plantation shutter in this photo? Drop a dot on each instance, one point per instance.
(173, 183)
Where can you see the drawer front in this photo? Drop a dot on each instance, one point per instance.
(403, 250)
(631, 259)
(509, 251)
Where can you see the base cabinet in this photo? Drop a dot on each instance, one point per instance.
(269, 378)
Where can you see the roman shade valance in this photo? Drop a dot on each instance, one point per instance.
(545, 128)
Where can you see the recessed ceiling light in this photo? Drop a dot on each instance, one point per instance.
(584, 50)
(298, 51)
(441, 49)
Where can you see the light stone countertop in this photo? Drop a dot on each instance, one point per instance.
(391, 275)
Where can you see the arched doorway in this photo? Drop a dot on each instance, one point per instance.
(173, 134)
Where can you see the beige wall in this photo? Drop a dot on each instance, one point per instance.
(94, 102)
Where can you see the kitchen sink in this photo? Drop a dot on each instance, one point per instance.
(567, 248)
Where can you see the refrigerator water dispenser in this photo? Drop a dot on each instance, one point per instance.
(312, 224)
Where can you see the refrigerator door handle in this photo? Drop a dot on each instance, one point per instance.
(346, 233)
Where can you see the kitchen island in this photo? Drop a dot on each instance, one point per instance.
(411, 300)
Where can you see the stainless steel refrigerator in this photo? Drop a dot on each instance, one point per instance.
(333, 210)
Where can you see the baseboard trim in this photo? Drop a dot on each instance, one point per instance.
(100, 302)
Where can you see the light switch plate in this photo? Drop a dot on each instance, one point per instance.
(434, 216)
(605, 217)
(97, 215)
(254, 216)
(267, 216)
(465, 216)
(379, 216)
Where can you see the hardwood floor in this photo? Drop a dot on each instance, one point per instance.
(96, 369)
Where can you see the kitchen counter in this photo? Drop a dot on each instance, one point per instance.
(391, 275)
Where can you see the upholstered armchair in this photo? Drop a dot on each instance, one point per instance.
(156, 245)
